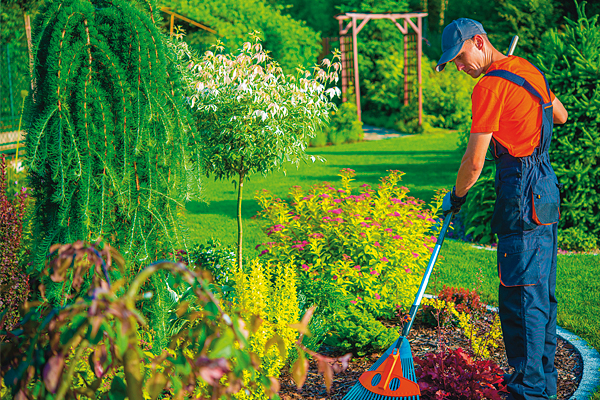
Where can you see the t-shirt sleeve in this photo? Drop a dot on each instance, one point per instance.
(486, 110)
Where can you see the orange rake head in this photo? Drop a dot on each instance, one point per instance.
(388, 380)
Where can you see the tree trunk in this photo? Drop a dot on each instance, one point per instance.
(239, 219)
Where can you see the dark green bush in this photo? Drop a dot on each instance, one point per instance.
(571, 61)
(477, 211)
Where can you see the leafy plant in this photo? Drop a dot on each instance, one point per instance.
(14, 282)
(453, 374)
(370, 246)
(343, 127)
(267, 295)
(463, 300)
(571, 60)
(251, 117)
(576, 238)
(108, 143)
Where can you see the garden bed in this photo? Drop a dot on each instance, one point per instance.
(423, 340)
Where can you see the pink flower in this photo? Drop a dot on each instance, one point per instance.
(389, 230)
(324, 195)
(341, 220)
(384, 259)
(335, 211)
(305, 267)
(262, 253)
(368, 218)
(364, 224)
(394, 214)
(326, 219)
(353, 302)
(275, 228)
(334, 277)
(257, 246)
(377, 296)
(404, 188)
(407, 270)
(358, 298)
(363, 234)
(376, 244)
(357, 267)
(341, 191)
(373, 272)
(296, 217)
(365, 185)
(337, 200)
(316, 235)
(346, 257)
(415, 255)
(421, 216)
(397, 237)
(308, 197)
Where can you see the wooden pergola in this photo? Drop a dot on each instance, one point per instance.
(405, 23)
(190, 21)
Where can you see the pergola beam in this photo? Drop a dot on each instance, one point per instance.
(394, 17)
(186, 19)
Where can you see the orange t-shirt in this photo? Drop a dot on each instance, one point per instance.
(508, 110)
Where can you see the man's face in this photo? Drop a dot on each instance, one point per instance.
(470, 58)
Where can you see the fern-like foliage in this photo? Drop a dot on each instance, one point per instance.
(108, 135)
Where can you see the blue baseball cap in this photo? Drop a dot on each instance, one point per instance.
(453, 37)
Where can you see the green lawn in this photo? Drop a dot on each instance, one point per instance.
(430, 162)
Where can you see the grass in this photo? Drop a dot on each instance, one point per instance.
(430, 162)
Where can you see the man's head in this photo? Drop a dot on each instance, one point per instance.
(465, 42)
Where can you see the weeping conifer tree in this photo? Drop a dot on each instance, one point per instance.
(108, 138)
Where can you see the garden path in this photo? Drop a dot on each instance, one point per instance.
(375, 133)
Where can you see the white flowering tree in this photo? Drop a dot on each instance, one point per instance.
(251, 117)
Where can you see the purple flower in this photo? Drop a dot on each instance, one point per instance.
(305, 267)
(257, 246)
(336, 211)
(262, 253)
(334, 277)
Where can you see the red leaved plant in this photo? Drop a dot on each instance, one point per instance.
(454, 374)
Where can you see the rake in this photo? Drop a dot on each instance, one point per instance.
(393, 375)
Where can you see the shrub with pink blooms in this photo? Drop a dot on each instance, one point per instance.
(361, 246)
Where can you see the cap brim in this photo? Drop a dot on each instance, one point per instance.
(448, 56)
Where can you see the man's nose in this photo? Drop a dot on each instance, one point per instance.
(459, 66)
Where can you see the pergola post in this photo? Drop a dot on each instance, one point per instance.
(356, 78)
(344, 62)
(406, 94)
(419, 75)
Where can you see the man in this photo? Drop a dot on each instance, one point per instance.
(513, 113)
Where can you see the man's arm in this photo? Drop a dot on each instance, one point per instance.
(559, 114)
(472, 162)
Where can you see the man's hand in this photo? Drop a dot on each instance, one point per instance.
(452, 203)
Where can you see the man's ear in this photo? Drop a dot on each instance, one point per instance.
(478, 41)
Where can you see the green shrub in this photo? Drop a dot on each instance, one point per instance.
(355, 329)
(366, 250)
(571, 60)
(576, 239)
(291, 43)
(344, 127)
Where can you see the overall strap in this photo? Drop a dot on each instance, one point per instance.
(547, 122)
(517, 80)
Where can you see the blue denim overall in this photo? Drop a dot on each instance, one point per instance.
(525, 219)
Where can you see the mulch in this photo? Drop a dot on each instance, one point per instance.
(423, 340)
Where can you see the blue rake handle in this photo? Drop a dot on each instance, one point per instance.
(428, 271)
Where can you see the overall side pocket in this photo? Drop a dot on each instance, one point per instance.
(545, 202)
(518, 260)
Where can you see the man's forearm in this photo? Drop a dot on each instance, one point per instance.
(468, 173)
